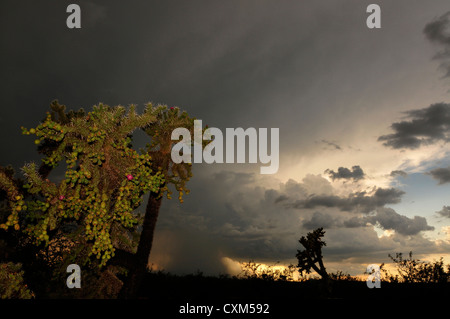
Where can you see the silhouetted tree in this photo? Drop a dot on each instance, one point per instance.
(311, 257)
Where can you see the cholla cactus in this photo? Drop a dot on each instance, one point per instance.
(97, 191)
(311, 257)
(12, 285)
(176, 175)
(160, 131)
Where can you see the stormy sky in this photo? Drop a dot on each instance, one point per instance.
(363, 114)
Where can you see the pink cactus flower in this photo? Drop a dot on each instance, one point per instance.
(130, 177)
(61, 197)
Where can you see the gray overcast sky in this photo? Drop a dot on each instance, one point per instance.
(311, 68)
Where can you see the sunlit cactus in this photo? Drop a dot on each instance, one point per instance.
(97, 191)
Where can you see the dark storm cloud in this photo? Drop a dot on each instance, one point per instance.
(438, 32)
(250, 63)
(398, 173)
(389, 219)
(281, 198)
(354, 222)
(359, 201)
(330, 220)
(238, 214)
(424, 126)
(444, 212)
(319, 219)
(243, 220)
(188, 256)
(222, 61)
(431, 124)
(356, 173)
(441, 174)
(384, 217)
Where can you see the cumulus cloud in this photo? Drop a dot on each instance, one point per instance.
(444, 212)
(438, 32)
(333, 220)
(383, 217)
(356, 173)
(242, 218)
(320, 219)
(422, 127)
(281, 198)
(389, 219)
(442, 175)
(362, 201)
